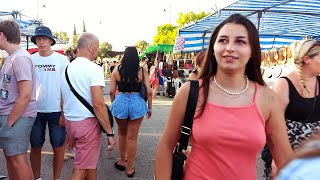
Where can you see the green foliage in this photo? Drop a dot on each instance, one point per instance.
(189, 17)
(84, 26)
(75, 36)
(141, 45)
(165, 34)
(75, 40)
(74, 30)
(62, 35)
(104, 48)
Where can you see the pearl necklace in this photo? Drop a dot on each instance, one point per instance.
(231, 93)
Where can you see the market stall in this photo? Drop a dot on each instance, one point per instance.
(280, 22)
(27, 27)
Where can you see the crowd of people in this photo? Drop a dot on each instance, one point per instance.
(237, 114)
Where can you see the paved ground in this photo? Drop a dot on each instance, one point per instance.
(149, 135)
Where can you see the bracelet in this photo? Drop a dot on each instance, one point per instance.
(110, 135)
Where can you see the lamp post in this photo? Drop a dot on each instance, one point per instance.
(42, 6)
(168, 10)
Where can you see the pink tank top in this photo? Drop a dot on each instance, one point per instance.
(226, 142)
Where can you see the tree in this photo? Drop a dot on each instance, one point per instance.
(84, 26)
(142, 45)
(62, 35)
(75, 36)
(189, 17)
(165, 34)
(74, 30)
(104, 47)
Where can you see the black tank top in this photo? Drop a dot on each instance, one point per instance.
(125, 87)
(299, 108)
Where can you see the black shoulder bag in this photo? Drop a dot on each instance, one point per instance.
(179, 157)
(86, 104)
(143, 91)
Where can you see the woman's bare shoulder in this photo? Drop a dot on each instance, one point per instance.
(268, 98)
(267, 92)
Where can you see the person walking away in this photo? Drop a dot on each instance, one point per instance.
(176, 79)
(234, 116)
(82, 126)
(161, 78)
(49, 66)
(154, 78)
(18, 107)
(128, 107)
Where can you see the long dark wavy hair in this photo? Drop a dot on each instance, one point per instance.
(129, 67)
(209, 66)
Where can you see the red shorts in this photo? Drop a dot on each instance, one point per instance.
(85, 136)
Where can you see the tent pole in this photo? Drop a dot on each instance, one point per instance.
(259, 17)
(203, 38)
(27, 43)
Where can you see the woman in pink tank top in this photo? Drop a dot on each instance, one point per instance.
(236, 112)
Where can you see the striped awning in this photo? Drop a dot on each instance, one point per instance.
(280, 22)
(27, 25)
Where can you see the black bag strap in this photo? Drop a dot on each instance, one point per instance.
(188, 118)
(80, 98)
(142, 76)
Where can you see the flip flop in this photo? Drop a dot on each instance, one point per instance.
(132, 174)
(119, 167)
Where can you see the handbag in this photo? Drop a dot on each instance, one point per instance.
(86, 104)
(179, 157)
(143, 91)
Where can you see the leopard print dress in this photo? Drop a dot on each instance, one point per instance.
(299, 132)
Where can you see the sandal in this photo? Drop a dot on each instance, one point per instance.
(132, 174)
(119, 167)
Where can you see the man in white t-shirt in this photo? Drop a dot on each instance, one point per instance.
(49, 66)
(82, 126)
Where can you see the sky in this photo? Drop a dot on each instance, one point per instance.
(119, 22)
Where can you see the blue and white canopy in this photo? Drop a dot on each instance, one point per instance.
(27, 25)
(280, 22)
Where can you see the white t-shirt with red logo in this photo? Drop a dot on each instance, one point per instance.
(49, 71)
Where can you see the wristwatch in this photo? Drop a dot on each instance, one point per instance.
(110, 135)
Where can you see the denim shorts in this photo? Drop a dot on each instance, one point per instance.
(129, 106)
(15, 140)
(56, 132)
(161, 82)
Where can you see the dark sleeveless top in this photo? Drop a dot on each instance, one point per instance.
(126, 87)
(299, 108)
